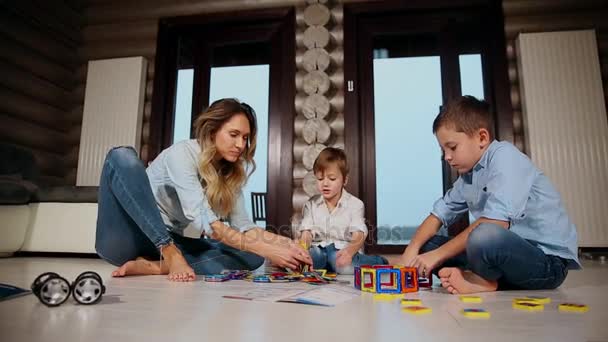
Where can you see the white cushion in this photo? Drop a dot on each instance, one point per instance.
(61, 227)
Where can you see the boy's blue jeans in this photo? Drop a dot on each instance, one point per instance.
(495, 253)
(325, 258)
(129, 224)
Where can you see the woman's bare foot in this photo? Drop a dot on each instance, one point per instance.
(457, 281)
(139, 266)
(175, 265)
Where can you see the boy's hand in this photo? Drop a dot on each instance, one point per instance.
(407, 258)
(426, 263)
(344, 257)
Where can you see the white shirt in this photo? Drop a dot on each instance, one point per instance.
(335, 226)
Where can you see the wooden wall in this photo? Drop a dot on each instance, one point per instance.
(45, 49)
(41, 94)
(121, 28)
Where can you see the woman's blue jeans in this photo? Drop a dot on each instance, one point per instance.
(129, 224)
(496, 253)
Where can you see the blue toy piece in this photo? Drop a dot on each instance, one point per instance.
(394, 286)
(216, 278)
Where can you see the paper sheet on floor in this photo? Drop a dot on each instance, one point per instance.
(320, 295)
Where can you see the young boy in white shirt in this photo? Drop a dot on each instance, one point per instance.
(333, 222)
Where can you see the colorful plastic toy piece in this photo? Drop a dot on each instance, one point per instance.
(392, 285)
(387, 296)
(471, 299)
(216, 278)
(417, 310)
(572, 307)
(357, 273)
(409, 279)
(475, 313)
(425, 282)
(534, 299)
(411, 302)
(368, 279)
(385, 279)
(528, 306)
(262, 279)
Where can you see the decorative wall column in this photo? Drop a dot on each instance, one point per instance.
(319, 93)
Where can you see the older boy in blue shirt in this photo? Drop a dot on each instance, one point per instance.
(521, 238)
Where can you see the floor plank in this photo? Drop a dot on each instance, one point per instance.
(154, 309)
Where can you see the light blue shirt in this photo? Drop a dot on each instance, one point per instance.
(505, 185)
(180, 196)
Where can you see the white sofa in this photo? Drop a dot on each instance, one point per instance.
(66, 227)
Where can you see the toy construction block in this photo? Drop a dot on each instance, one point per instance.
(572, 307)
(215, 278)
(471, 299)
(357, 273)
(385, 279)
(409, 279)
(387, 296)
(305, 246)
(411, 302)
(417, 310)
(388, 280)
(533, 299)
(528, 306)
(368, 279)
(425, 282)
(475, 313)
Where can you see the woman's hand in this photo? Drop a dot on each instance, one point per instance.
(288, 255)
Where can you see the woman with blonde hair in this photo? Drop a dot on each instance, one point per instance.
(195, 183)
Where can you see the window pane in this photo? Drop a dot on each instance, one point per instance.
(471, 82)
(183, 105)
(249, 84)
(471, 76)
(407, 96)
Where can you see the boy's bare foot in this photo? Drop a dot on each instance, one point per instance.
(457, 281)
(139, 266)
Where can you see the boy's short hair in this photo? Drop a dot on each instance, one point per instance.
(331, 155)
(465, 114)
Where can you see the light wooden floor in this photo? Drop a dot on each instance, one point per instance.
(154, 309)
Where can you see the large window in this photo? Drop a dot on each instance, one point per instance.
(406, 61)
(245, 55)
(407, 94)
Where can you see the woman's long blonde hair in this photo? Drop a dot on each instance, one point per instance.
(223, 182)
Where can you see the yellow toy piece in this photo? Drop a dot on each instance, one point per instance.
(528, 306)
(471, 299)
(533, 299)
(411, 302)
(387, 296)
(572, 307)
(475, 313)
(417, 310)
(368, 279)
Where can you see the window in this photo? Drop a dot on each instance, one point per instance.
(248, 55)
(406, 60)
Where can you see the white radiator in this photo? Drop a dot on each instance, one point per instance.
(566, 124)
(113, 108)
